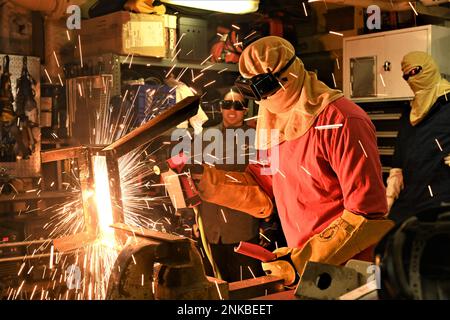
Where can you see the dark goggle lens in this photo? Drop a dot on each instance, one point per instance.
(411, 73)
(229, 104)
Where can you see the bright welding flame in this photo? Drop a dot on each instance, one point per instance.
(103, 200)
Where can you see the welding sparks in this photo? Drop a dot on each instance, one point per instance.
(262, 235)
(81, 52)
(200, 75)
(382, 80)
(304, 169)
(223, 70)
(329, 126)
(365, 154)
(251, 118)
(294, 75)
(68, 35)
(204, 61)
(281, 173)
(178, 42)
(170, 71)
(431, 191)
(304, 8)
(48, 76)
(223, 214)
(337, 33)
(236, 27)
(51, 257)
(218, 290)
(209, 83)
(438, 144)
(56, 58)
(251, 271)
(334, 80)
(412, 7)
(232, 178)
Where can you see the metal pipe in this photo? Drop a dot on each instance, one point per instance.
(23, 243)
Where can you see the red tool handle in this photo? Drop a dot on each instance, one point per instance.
(255, 251)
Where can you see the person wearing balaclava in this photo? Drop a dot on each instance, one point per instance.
(328, 185)
(420, 178)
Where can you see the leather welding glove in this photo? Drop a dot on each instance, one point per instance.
(447, 160)
(343, 239)
(144, 6)
(234, 190)
(394, 186)
(289, 264)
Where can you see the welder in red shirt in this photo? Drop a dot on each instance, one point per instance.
(327, 182)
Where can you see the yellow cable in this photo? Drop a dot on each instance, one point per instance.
(206, 244)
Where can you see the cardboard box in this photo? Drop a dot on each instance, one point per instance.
(124, 33)
(16, 29)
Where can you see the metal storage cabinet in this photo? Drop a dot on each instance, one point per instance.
(372, 67)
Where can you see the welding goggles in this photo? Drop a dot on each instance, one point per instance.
(262, 85)
(413, 72)
(230, 104)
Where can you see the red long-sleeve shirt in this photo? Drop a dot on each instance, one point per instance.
(326, 171)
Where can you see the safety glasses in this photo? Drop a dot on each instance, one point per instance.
(412, 72)
(262, 85)
(230, 104)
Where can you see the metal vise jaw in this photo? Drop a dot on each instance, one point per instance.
(181, 275)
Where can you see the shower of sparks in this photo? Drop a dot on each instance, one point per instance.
(382, 80)
(412, 7)
(365, 154)
(251, 271)
(304, 8)
(330, 126)
(337, 33)
(431, 191)
(97, 260)
(304, 169)
(439, 145)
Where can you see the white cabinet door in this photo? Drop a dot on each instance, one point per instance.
(363, 48)
(396, 46)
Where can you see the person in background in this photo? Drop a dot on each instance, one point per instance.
(224, 227)
(328, 185)
(420, 177)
